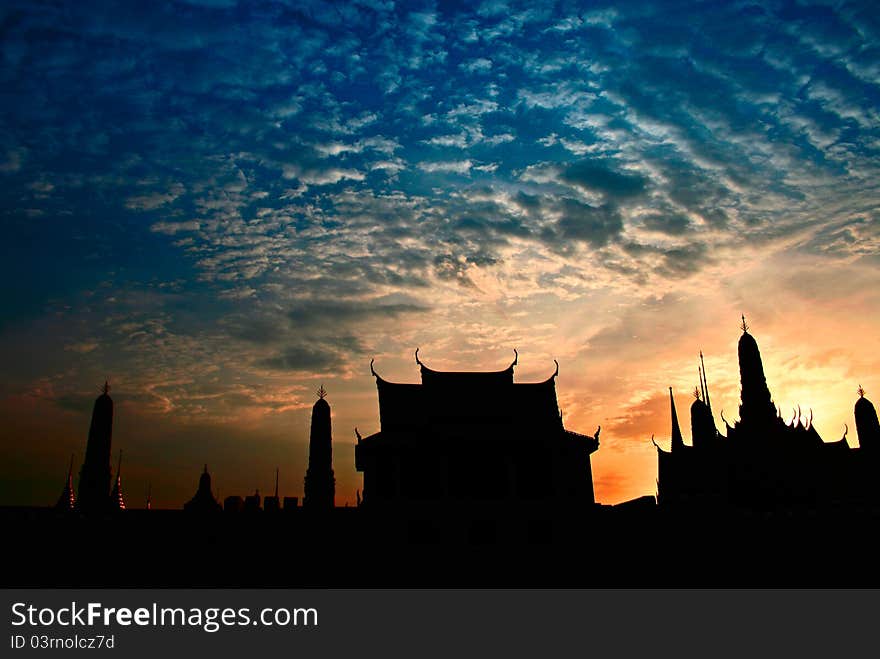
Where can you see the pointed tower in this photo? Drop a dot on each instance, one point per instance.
(320, 484)
(703, 430)
(867, 426)
(757, 411)
(116, 500)
(273, 504)
(67, 500)
(94, 476)
(203, 501)
(149, 496)
(677, 441)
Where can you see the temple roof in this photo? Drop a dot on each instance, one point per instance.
(465, 397)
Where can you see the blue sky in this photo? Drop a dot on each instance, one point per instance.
(222, 205)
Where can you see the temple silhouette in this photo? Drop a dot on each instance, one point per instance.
(763, 462)
(464, 437)
(473, 480)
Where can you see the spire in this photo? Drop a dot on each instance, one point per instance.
(149, 496)
(705, 381)
(94, 476)
(757, 409)
(276, 482)
(203, 501)
(67, 500)
(677, 441)
(322, 393)
(867, 425)
(116, 500)
(320, 483)
(744, 327)
(701, 394)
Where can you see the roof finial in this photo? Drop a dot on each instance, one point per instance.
(702, 395)
(417, 357)
(276, 482)
(696, 393)
(744, 326)
(861, 392)
(206, 468)
(106, 388)
(322, 393)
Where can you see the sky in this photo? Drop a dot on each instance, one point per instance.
(221, 206)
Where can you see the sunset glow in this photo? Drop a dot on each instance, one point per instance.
(222, 207)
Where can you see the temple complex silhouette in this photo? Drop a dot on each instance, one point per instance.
(468, 460)
(763, 462)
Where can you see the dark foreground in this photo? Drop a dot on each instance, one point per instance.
(641, 545)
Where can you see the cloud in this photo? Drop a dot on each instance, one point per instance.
(328, 312)
(448, 166)
(601, 177)
(172, 228)
(303, 358)
(596, 225)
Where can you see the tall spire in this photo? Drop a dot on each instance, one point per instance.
(867, 425)
(701, 394)
(116, 500)
(94, 476)
(705, 382)
(149, 496)
(67, 500)
(757, 409)
(276, 482)
(320, 483)
(677, 441)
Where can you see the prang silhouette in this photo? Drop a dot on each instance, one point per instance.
(762, 462)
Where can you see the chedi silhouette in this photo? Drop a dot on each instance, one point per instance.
(320, 483)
